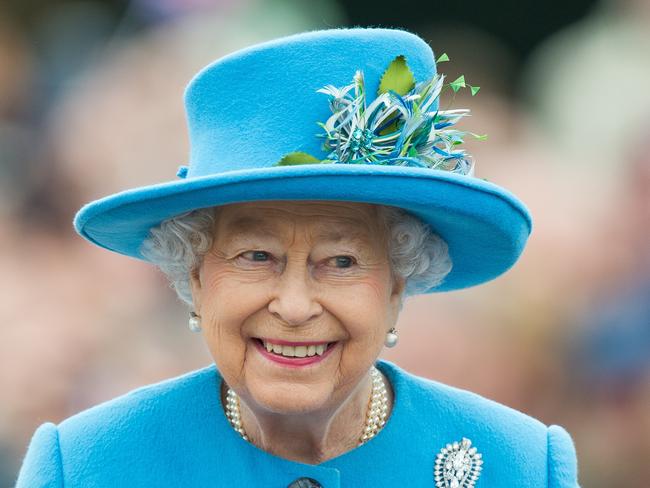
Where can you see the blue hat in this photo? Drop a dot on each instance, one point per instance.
(254, 119)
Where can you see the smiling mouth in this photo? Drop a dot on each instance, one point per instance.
(295, 351)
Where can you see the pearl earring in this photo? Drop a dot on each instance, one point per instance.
(195, 322)
(391, 337)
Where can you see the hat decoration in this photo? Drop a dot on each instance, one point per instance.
(398, 128)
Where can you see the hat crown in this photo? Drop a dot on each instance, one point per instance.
(249, 109)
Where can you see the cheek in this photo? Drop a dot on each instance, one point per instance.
(227, 299)
(362, 312)
(363, 309)
(227, 304)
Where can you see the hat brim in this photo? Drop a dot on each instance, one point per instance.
(485, 226)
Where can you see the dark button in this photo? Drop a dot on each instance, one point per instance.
(305, 483)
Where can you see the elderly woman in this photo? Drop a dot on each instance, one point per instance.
(295, 250)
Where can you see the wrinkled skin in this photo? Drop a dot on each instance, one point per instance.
(283, 278)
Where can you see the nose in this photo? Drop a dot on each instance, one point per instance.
(294, 299)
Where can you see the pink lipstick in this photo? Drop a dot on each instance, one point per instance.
(295, 361)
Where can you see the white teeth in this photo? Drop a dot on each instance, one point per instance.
(295, 351)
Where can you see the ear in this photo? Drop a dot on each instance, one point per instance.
(195, 288)
(399, 284)
(396, 298)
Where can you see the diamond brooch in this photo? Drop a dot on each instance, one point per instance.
(457, 465)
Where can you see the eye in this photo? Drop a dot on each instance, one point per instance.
(343, 261)
(256, 256)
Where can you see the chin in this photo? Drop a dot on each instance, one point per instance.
(291, 399)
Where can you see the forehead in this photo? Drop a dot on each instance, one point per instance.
(325, 220)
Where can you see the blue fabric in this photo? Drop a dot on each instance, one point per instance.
(247, 110)
(175, 433)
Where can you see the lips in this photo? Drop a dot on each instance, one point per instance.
(303, 354)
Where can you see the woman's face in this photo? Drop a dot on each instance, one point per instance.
(307, 272)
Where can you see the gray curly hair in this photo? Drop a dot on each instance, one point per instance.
(416, 253)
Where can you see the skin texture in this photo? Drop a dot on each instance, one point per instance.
(304, 285)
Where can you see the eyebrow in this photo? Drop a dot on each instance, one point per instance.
(259, 227)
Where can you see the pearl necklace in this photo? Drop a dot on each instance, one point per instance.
(375, 416)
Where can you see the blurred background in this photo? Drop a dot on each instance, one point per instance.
(91, 104)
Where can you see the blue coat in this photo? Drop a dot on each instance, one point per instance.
(175, 434)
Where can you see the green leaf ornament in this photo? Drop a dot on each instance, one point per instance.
(458, 83)
(297, 157)
(397, 77)
(443, 57)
